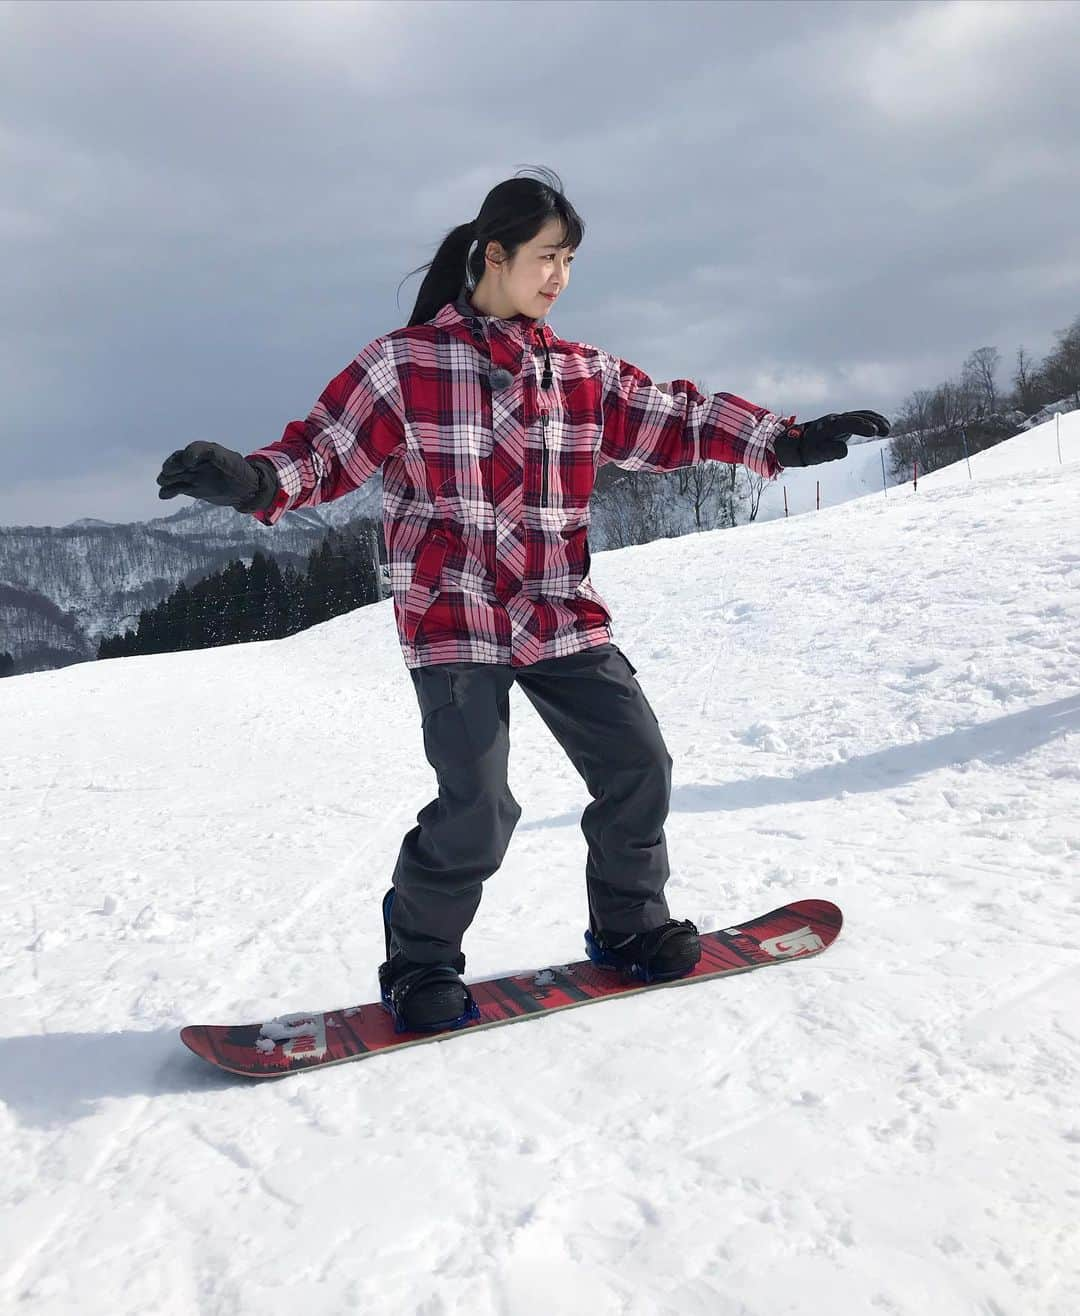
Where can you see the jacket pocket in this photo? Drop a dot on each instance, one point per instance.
(425, 582)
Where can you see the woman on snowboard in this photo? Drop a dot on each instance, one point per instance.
(489, 430)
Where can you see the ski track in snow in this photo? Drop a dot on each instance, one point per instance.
(878, 704)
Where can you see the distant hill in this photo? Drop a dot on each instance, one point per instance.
(61, 588)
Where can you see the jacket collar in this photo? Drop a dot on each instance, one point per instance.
(462, 319)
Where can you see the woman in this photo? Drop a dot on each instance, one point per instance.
(489, 430)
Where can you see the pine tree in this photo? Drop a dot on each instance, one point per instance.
(260, 602)
(295, 609)
(275, 603)
(316, 587)
(237, 604)
(259, 585)
(177, 607)
(365, 572)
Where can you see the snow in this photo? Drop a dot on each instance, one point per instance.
(297, 1024)
(878, 704)
(855, 476)
(861, 472)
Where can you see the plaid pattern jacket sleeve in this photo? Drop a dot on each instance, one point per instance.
(660, 427)
(353, 428)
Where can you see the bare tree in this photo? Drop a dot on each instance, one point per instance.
(933, 427)
(700, 485)
(752, 486)
(1061, 368)
(714, 492)
(915, 415)
(1028, 383)
(980, 370)
(633, 507)
(730, 495)
(960, 402)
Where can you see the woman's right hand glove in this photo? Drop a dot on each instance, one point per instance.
(218, 475)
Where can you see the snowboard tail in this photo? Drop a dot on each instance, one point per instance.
(310, 1040)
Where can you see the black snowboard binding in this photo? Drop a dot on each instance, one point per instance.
(669, 951)
(423, 997)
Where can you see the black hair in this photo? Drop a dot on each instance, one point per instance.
(513, 212)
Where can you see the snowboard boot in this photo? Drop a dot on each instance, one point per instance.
(669, 951)
(423, 997)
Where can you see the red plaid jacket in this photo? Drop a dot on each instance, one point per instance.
(486, 491)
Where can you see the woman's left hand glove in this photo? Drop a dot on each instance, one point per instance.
(824, 439)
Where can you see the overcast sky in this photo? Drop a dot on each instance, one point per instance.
(206, 208)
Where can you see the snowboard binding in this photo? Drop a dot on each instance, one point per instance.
(424, 998)
(669, 951)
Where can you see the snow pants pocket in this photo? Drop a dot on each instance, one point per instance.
(462, 835)
(434, 690)
(633, 669)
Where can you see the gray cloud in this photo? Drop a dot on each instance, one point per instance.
(206, 209)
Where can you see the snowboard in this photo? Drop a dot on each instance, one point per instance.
(310, 1040)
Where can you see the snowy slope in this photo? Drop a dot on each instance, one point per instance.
(1035, 450)
(856, 476)
(879, 704)
(860, 473)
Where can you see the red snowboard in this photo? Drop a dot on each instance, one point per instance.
(309, 1041)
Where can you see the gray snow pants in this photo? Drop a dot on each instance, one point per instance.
(598, 713)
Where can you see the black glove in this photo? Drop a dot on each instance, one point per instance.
(823, 440)
(218, 475)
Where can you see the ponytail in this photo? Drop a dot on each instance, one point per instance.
(445, 273)
(513, 213)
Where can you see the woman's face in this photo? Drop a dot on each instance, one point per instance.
(541, 266)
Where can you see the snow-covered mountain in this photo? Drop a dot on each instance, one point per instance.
(61, 588)
(879, 704)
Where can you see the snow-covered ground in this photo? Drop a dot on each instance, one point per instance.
(856, 476)
(861, 472)
(878, 704)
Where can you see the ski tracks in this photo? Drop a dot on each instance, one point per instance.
(46, 1228)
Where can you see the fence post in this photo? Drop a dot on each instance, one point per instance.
(967, 455)
(881, 454)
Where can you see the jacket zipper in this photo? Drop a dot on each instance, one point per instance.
(544, 456)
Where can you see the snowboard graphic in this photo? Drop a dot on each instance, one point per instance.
(296, 1042)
